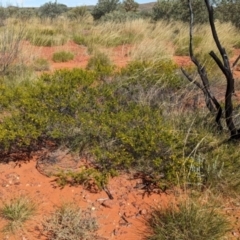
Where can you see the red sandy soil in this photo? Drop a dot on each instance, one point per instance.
(121, 218)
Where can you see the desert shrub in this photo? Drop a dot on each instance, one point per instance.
(130, 5)
(47, 110)
(17, 212)
(25, 14)
(188, 220)
(46, 37)
(78, 13)
(178, 10)
(120, 16)
(41, 64)
(3, 15)
(127, 122)
(51, 10)
(62, 56)
(80, 40)
(101, 63)
(227, 11)
(103, 7)
(70, 222)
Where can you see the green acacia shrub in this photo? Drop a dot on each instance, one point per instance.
(103, 7)
(178, 11)
(120, 124)
(41, 109)
(62, 56)
(51, 10)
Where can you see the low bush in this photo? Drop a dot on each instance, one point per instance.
(41, 64)
(132, 121)
(188, 220)
(101, 63)
(62, 56)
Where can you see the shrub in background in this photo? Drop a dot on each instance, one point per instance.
(41, 64)
(62, 56)
(178, 10)
(228, 11)
(51, 10)
(78, 13)
(3, 15)
(103, 7)
(120, 16)
(101, 63)
(130, 5)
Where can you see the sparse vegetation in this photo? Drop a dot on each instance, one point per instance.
(62, 56)
(17, 211)
(188, 220)
(70, 222)
(41, 64)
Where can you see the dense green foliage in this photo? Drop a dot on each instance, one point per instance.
(103, 7)
(228, 11)
(130, 5)
(178, 10)
(51, 10)
(118, 123)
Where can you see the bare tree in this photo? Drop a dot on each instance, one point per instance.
(211, 102)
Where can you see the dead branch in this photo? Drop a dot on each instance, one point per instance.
(210, 100)
(224, 65)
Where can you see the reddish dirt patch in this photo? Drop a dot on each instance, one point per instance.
(120, 218)
(119, 55)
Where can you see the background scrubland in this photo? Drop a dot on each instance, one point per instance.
(142, 118)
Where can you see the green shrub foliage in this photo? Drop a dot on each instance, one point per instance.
(103, 7)
(119, 123)
(51, 10)
(178, 10)
(130, 5)
(228, 11)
